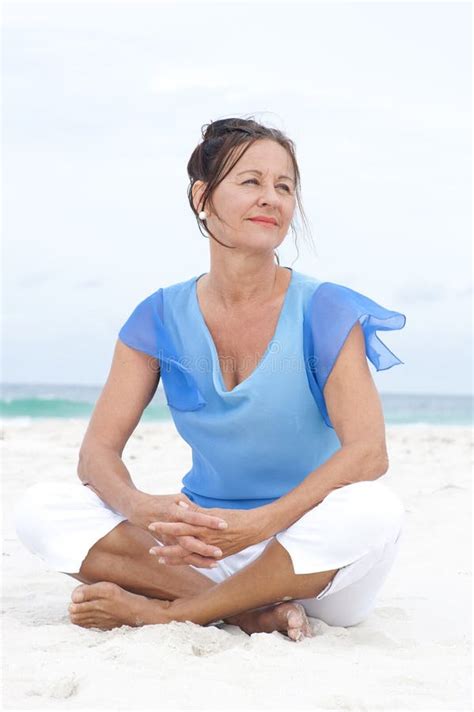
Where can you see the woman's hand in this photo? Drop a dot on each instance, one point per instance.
(245, 527)
(178, 509)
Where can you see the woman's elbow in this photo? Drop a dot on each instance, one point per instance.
(83, 465)
(376, 459)
(381, 461)
(88, 458)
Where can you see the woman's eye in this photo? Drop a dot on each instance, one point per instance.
(254, 180)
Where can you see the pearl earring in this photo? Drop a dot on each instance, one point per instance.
(203, 215)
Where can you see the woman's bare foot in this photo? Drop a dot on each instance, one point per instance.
(105, 605)
(289, 618)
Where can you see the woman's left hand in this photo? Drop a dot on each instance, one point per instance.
(245, 527)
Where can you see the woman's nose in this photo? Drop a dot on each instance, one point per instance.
(268, 194)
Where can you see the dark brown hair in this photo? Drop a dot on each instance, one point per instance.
(211, 161)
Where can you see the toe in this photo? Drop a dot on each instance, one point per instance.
(89, 592)
(295, 619)
(305, 624)
(79, 593)
(85, 622)
(295, 634)
(93, 619)
(298, 624)
(75, 619)
(78, 608)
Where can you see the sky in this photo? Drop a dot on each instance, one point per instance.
(104, 104)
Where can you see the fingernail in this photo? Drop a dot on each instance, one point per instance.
(153, 552)
(151, 527)
(217, 552)
(183, 504)
(161, 560)
(214, 566)
(223, 525)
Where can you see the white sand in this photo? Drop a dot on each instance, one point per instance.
(413, 653)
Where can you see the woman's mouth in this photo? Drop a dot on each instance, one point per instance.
(267, 223)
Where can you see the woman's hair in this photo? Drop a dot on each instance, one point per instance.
(224, 143)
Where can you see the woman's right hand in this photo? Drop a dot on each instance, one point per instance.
(147, 508)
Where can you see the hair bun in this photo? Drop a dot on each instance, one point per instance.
(221, 127)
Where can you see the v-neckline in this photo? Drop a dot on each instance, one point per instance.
(216, 365)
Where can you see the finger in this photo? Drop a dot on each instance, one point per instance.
(175, 528)
(190, 516)
(193, 560)
(193, 546)
(183, 557)
(189, 534)
(175, 551)
(172, 562)
(201, 562)
(196, 546)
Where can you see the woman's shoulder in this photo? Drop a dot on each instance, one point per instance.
(318, 290)
(166, 291)
(311, 283)
(306, 280)
(307, 285)
(182, 284)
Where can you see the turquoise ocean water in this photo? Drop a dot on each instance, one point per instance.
(77, 401)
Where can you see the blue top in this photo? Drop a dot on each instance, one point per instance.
(258, 441)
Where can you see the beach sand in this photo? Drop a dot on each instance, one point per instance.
(413, 653)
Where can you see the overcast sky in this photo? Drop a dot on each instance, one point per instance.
(104, 103)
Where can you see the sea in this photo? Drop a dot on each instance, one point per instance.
(46, 400)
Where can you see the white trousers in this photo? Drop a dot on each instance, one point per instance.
(355, 529)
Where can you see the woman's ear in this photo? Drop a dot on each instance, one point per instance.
(197, 191)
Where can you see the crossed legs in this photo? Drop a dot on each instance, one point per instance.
(130, 584)
(124, 584)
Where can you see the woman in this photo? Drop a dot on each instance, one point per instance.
(265, 372)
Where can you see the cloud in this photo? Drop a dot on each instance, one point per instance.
(231, 77)
(89, 284)
(432, 292)
(35, 279)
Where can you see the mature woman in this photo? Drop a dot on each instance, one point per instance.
(282, 513)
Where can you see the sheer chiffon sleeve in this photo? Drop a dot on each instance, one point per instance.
(145, 331)
(331, 313)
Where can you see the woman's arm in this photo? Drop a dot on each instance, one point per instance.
(354, 407)
(130, 386)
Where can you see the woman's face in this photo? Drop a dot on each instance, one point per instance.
(261, 183)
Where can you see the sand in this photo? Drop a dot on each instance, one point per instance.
(413, 653)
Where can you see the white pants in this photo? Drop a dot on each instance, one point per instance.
(355, 529)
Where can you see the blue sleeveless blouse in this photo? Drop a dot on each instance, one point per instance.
(258, 441)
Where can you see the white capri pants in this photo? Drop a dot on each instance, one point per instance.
(355, 529)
